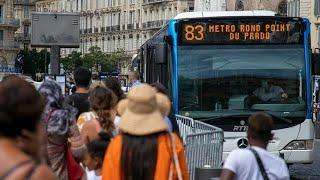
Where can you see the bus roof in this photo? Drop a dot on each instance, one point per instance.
(188, 15)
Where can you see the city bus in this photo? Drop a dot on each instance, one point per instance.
(214, 64)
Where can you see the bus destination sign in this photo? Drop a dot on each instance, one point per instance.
(244, 31)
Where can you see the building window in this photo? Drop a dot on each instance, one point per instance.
(131, 17)
(239, 5)
(294, 8)
(26, 11)
(1, 38)
(1, 14)
(317, 8)
(282, 8)
(25, 30)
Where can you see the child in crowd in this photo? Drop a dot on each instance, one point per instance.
(93, 159)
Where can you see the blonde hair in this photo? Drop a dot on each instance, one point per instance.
(97, 84)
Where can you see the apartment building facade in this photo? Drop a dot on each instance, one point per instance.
(125, 24)
(279, 6)
(315, 23)
(8, 26)
(22, 11)
(311, 10)
(117, 24)
(209, 5)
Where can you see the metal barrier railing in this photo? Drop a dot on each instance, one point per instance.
(203, 143)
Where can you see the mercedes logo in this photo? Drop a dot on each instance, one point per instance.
(242, 143)
(242, 122)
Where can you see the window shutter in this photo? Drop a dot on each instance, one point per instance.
(317, 7)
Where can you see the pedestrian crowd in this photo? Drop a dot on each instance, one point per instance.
(98, 132)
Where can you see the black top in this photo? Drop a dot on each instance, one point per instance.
(79, 101)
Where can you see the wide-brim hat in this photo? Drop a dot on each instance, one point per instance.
(140, 112)
(164, 103)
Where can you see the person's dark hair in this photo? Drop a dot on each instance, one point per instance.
(21, 107)
(114, 84)
(8, 76)
(101, 100)
(97, 148)
(82, 77)
(139, 156)
(260, 126)
(160, 88)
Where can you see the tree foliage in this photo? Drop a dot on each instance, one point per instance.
(96, 60)
(72, 61)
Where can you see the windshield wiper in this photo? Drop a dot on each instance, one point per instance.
(222, 116)
(276, 118)
(289, 121)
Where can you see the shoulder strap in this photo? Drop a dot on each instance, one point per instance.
(32, 170)
(175, 159)
(261, 167)
(16, 167)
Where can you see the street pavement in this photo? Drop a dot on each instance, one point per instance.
(307, 171)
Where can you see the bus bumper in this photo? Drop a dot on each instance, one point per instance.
(298, 156)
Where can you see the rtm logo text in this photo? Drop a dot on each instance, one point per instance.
(240, 128)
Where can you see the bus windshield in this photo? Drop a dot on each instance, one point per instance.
(241, 79)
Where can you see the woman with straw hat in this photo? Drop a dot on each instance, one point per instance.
(144, 150)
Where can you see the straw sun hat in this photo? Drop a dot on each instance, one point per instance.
(143, 111)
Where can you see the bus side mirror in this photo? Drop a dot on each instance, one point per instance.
(160, 53)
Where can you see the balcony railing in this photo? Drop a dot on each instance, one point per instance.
(23, 2)
(10, 22)
(130, 26)
(115, 28)
(9, 45)
(22, 37)
(26, 21)
(146, 2)
(153, 24)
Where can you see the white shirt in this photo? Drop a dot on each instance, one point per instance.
(88, 116)
(91, 175)
(272, 94)
(244, 164)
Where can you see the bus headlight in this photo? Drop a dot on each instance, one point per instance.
(300, 145)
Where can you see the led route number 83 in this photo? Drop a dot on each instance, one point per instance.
(194, 32)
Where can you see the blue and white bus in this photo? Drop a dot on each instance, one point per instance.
(214, 62)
